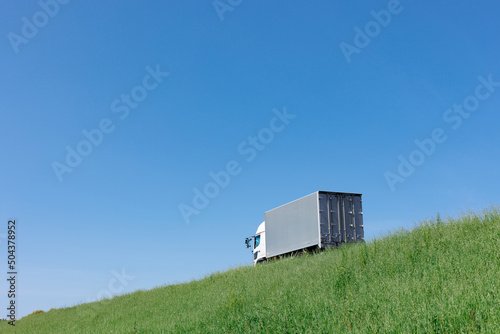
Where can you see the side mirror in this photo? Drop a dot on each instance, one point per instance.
(248, 242)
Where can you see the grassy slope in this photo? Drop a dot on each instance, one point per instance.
(439, 277)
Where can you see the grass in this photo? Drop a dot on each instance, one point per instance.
(440, 277)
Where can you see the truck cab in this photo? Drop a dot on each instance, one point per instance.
(259, 244)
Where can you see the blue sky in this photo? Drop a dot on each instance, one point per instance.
(111, 223)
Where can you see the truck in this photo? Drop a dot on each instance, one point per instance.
(316, 221)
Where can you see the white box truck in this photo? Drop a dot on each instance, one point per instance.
(319, 220)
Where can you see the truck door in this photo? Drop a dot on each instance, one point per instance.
(348, 208)
(331, 229)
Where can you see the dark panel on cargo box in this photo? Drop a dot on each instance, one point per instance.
(341, 218)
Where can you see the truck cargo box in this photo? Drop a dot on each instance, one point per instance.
(321, 219)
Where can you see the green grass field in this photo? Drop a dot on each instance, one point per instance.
(440, 277)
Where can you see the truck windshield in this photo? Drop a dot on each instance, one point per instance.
(256, 241)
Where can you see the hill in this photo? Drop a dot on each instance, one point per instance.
(440, 277)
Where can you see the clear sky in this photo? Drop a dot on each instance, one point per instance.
(116, 116)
